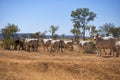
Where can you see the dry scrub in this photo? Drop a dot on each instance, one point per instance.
(21, 65)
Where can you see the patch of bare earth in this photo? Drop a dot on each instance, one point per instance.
(22, 65)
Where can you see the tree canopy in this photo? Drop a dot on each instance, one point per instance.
(110, 29)
(9, 31)
(92, 30)
(105, 29)
(52, 30)
(80, 19)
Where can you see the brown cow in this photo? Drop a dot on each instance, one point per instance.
(57, 45)
(46, 43)
(31, 45)
(104, 43)
(69, 45)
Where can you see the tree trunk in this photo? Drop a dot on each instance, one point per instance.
(83, 33)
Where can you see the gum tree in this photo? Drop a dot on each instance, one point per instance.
(53, 29)
(80, 18)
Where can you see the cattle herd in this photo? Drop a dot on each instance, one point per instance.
(60, 45)
(49, 45)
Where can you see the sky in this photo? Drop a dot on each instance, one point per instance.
(38, 15)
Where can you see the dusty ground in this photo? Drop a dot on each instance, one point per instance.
(22, 65)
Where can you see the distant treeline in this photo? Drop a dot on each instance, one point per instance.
(28, 35)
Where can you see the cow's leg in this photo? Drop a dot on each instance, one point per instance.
(36, 48)
(100, 52)
(57, 49)
(47, 48)
(97, 52)
(29, 48)
(105, 52)
(116, 50)
(43, 48)
(62, 49)
(15, 46)
(111, 51)
(71, 48)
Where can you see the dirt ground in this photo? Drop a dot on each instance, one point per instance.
(42, 65)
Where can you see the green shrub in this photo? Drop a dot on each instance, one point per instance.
(7, 43)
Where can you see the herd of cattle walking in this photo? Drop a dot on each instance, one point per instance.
(47, 44)
(101, 43)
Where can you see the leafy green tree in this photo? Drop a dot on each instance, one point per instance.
(35, 35)
(105, 29)
(92, 30)
(55, 36)
(13, 29)
(53, 29)
(88, 28)
(6, 33)
(9, 35)
(39, 35)
(43, 34)
(115, 31)
(63, 36)
(75, 32)
(9, 31)
(110, 29)
(81, 17)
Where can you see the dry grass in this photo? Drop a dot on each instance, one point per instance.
(21, 65)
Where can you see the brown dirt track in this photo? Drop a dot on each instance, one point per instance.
(22, 65)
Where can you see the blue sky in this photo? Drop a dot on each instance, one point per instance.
(38, 15)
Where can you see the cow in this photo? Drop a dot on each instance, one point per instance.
(104, 43)
(68, 45)
(46, 43)
(18, 44)
(117, 48)
(57, 45)
(86, 45)
(31, 44)
(82, 43)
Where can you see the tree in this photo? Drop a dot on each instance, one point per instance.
(24, 35)
(9, 35)
(88, 28)
(35, 35)
(43, 34)
(110, 29)
(63, 36)
(75, 32)
(105, 29)
(5, 33)
(53, 29)
(9, 31)
(115, 31)
(81, 17)
(55, 36)
(92, 30)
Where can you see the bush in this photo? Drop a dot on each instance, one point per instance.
(8, 43)
(1, 42)
(89, 48)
